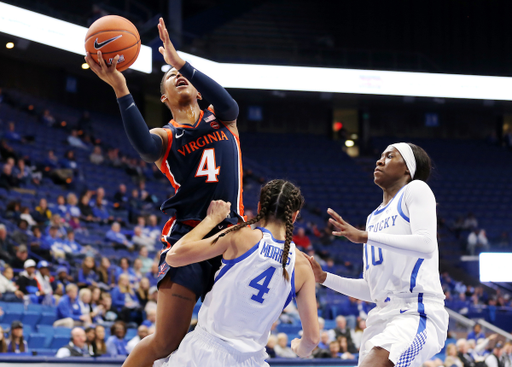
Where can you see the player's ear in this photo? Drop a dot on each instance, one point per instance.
(199, 96)
(163, 98)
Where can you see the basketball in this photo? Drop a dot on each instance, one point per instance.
(113, 35)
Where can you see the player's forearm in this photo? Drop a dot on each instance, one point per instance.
(198, 233)
(149, 146)
(226, 108)
(357, 288)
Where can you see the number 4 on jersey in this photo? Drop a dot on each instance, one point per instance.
(263, 288)
(207, 166)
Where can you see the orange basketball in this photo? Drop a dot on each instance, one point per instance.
(113, 35)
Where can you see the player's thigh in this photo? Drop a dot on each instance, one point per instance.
(174, 311)
(376, 357)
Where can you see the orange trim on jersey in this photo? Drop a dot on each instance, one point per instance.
(237, 140)
(166, 231)
(163, 167)
(211, 110)
(174, 123)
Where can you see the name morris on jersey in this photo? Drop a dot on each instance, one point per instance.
(274, 253)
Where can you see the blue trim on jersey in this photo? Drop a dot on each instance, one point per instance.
(267, 231)
(400, 211)
(378, 211)
(230, 263)
(419, 340)
(414, 274)
(292, 294)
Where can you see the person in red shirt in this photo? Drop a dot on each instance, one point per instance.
(301, 240)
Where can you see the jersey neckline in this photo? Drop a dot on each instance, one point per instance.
(378, 211)
(176, 124)
(264, 230)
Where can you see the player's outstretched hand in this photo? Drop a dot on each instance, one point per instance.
(320, 275)
(108, 73)
(218, 210)
(168, 51)
(346, 230)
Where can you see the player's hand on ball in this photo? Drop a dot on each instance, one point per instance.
(168, 51)
(218, 210)
(320, 275)
(346, 230)
(108, 73)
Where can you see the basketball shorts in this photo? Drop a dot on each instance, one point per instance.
(412, 330)
(197, 277)
(199, 349)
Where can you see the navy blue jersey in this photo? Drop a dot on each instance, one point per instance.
(203, 162)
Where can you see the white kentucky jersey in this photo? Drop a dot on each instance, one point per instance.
(249, 294)
(392, 272)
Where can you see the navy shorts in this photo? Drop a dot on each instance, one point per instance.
(197, 277)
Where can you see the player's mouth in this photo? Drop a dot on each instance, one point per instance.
(181, 82)
(377, 170)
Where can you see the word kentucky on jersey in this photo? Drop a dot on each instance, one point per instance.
(274, 253)
(385, 223)
(202, 141)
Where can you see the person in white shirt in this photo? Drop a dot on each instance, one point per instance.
(401, 264)
(282, 349)
(142, 332)
(77, 347)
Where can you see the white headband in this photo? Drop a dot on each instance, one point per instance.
(408, 156)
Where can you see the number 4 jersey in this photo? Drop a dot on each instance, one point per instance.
(203, 162)
(249, 294)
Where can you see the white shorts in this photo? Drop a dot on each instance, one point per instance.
(201, 349)
(412, 330)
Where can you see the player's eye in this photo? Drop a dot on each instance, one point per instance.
(390, 156)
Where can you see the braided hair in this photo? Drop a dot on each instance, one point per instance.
(279, 199)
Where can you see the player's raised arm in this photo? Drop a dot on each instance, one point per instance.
(226, 108)
(150, 147)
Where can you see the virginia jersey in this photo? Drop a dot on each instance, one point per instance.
(394, 273)
(203, 162)
(249, 294)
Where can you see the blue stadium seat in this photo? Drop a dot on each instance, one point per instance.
(31, 318)
(48, 318)
(46, 329)
(130, 333)
(62, 331)
(36, 341)
(11, 315)
(59, 341)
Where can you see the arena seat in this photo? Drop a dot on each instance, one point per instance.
(59, 341)
(36, 341)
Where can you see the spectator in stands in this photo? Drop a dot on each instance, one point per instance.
(334, 349)
(87, 274)
(69, 162)
(153, 298)
(143, 292)
(494, 359)
(47, 118)
(137, 266)
(506, 354)
(85, 302)
(77, 347)
(11, 134)
(134, 206)
(75, 141)
(282, 349)
(153, 274)
(150, 318)
(324, 340)
(116, 344)
(87, 214)
(6, 245)
(146, 261)
(463, 353)
(476, 333)
(24, 173)
(452, 359)
(69, 313)
(52, 242)
(96, 157)
(99, 207)
(121, 198)
(17, 344)
(357, 334)
(114, 235)
(106, 273)
(43, 278)
(111, 313)
(60, 223)
(3, 343)
(72, 209)
(341, 329)
(142, 240)
(142, 332)
(90, 335)
(7, 180)
(345, 354)
(477, 239)
(124, 298)
(42, 213)
(98, 346)
(25, 215)
(270, 347)
(21, 234)
(70, 247)
(21, 255)
(301, 240)
(27, 282)
(61, 282)
(8, 290)
(153, 230)
(113, 158)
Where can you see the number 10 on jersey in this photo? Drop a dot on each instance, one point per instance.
(207, 166)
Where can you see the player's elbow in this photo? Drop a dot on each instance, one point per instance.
(229, 112)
